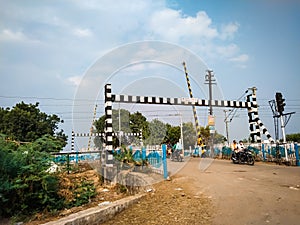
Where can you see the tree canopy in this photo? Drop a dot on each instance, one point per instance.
(26, 123)
(154, 132)
(293, 137)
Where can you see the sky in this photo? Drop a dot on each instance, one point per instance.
(54, 51)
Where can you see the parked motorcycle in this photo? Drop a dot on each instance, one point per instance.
(243, 157)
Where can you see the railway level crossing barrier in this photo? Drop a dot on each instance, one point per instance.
(255, 124)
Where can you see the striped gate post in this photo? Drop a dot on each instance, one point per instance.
(199, 138)
(108, 126)
(72, 141)
(255, 124)
(255, 115)
(251, 120)
(141, 138)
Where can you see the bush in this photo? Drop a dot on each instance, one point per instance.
(25, 186)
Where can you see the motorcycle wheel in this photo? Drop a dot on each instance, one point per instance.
(235, 161)
(250, 160)
(178, 157)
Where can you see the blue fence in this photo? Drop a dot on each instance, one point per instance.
(75, 157)
(154, 157)
(262, 152)
(265, 152)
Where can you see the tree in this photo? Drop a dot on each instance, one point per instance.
(158, 131)
(123, 121)
(219, 138)
(189, 135)
(26, 123)
(205, 134)
(173, 134)
(139, 123)
(293, 137)
(129, 123)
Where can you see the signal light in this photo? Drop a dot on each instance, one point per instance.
(280, 103)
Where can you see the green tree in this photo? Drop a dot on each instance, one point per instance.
(139, 123)
(124, 120)
(293, 137)
(205, 134)
(158, 131)
(173, 134)
(26, 123)
(189, 135)
(129, 123)
(219, 138)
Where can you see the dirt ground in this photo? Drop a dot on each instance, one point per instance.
(170, 202)
(207, 191)
(173, 201)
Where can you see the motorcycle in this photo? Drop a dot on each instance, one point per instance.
(243, 157)
(176, 155)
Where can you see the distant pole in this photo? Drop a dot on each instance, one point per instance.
(209, 78)
(284, 138)
(226, 126)
(120, 142)
(181, 133)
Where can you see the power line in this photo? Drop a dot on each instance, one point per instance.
(48, 98)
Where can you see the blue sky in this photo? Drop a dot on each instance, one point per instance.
(47, 48)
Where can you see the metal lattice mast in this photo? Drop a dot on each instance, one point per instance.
(199, 138)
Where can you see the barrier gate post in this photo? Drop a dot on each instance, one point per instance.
(164, 158)
(297, 154)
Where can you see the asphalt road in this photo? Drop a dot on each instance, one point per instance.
(242, 194)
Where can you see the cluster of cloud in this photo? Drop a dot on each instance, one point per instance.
(82, 30)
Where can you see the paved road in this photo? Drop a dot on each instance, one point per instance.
(242, 194)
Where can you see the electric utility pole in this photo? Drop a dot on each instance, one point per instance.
(210, 80)
(226, 126)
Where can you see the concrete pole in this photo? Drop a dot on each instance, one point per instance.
(226, 126)
(284, 138)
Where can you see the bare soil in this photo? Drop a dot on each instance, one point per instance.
(220, 192)
(170, 202)
(207, 191)
(173, 201)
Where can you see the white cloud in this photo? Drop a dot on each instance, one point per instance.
(9, 35)
(227, 50)
(74, 80)
(82, 32)
(241, 58)
(60, 29)
(172, 25)
(228, 31)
